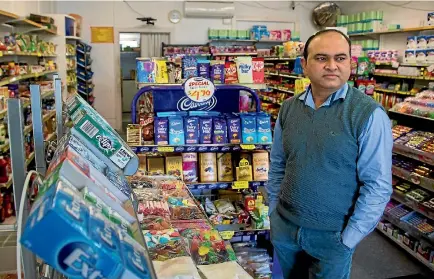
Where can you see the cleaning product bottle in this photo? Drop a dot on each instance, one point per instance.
(3, 170)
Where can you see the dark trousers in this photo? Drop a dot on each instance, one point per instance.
(307, 253)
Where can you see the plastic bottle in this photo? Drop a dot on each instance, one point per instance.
(4, 177)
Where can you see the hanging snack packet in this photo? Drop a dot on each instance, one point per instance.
(205, 130)
(231, 75)
(189, 67)
(203, 68)
(258, 70)
(244, 69)
(217, 72)
(219, 131)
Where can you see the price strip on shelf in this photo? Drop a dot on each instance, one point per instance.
(240, 185)
(227, 235)
(199, 90)
(247, 146)
(166, 149)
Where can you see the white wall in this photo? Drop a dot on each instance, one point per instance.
(24, 8)
(189, 30)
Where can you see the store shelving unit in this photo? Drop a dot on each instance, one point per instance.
(403, 30)
(199, 148)
(84, 72)
(407, 249)
(225, 185)
(256, 86)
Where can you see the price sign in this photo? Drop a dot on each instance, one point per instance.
(166, 149)
(240, 185)
(199, 89)
(226, 235)
(247, 146)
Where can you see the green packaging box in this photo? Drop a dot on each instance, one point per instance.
(223, 34)
(213, 34)
(105, 142)
(232, 34)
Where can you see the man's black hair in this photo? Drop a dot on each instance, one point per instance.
(306, 46)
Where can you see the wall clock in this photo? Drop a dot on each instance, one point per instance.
(175, 16)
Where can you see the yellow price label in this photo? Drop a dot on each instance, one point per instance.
(1, 53)
(226, 235)
(166, 149)
(247, 146)
(240, 185)
(39, 54)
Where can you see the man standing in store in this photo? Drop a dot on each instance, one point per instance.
(330, 174)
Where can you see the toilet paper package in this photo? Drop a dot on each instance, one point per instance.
(81, 242)
(100, 138)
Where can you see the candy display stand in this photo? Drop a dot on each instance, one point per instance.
(26, 260)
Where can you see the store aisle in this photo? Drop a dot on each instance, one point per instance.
(378, 258)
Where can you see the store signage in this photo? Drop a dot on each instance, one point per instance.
(240, 185)
(196, 94)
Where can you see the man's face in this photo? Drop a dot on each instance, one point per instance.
(328, 64)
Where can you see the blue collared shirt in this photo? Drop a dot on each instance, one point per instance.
(374, 169)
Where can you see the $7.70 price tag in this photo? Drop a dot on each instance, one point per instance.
(240, 185)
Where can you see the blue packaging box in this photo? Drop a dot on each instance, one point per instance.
(176, 131)
(263, 125)
(75, 240)
(248, 129)
(191, 125)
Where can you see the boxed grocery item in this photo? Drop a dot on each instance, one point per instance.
(260, 165)
(103, 140)
(258, 70)
(208, 167)
(174, 166)
(146, 122)
(189, 167)
(248, 125)
(421, 55)
(191, 125)
(219, 131)
(421, 42)
(82, 244)
(205, 135)
(224, 167)
(161, 128)
(176, 131)
(234, 129)
(263, 127)
(134, 134)
(145, 70)
(244, 69)
(156, 165)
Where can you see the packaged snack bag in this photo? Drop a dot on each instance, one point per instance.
(219, 130)
(370, 86)
(231, 75)
(161, 129)
(244, 69)
(258, 70)
(189, 167)
(286, 35)
(176, 131)
(353, 65)
(363, 66)
(217, 72)
(203, 68)
(146, 122)
(189, 67)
